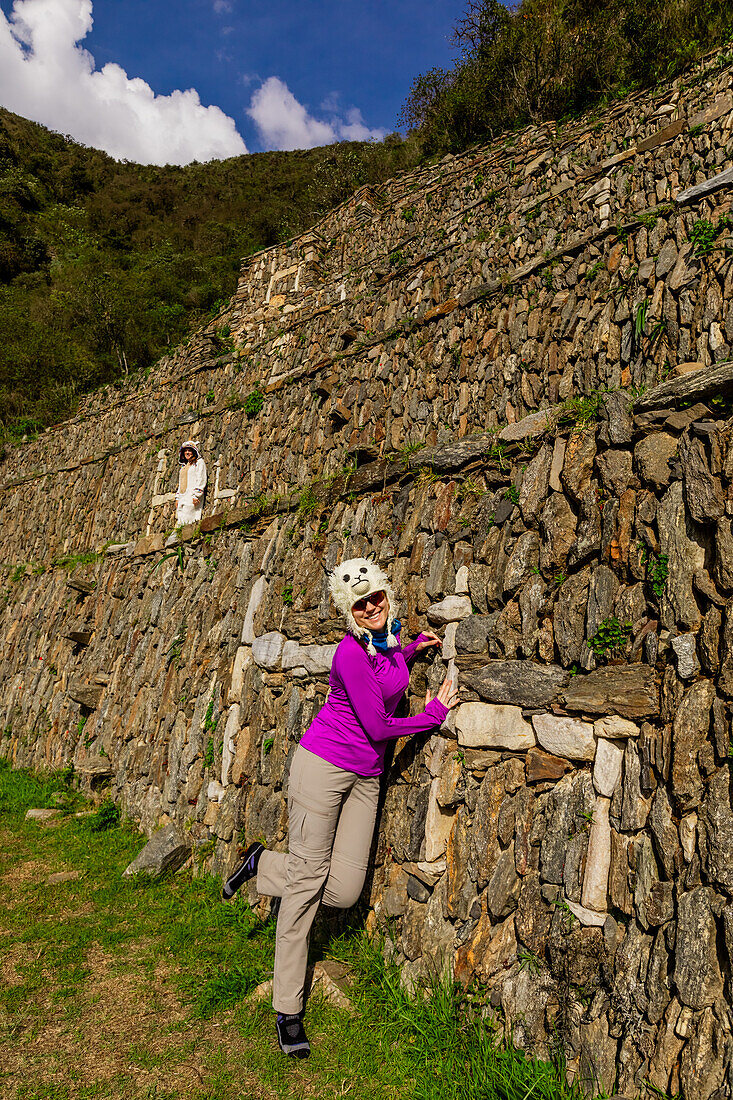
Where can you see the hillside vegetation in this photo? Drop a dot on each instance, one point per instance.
(105, 265)
(546, 59)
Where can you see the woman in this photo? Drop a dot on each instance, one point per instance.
(334, 781)
(191, 484)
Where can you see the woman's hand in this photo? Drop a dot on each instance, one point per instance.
(428, 639)
(447, 694)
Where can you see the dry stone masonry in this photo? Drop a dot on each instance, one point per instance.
(508, 376)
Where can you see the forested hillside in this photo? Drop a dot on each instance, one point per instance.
(104, 265)
(550, 59)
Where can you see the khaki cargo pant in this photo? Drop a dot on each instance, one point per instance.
(332, 814)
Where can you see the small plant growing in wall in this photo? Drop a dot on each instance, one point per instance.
(497, 452)
(288, 595)
(580, 411)
(222, 339)
(529, 961)
(179, 553)
(173, 653)
(307, 503)
(209, 754)
(253, 402)
(704, 234)
(210, 723)
(657, 573)
(408, 214)
(610, 637)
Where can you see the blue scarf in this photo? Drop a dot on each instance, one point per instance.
(379, 637)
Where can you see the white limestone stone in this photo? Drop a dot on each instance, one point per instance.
(614, 727)
(493, 726)
(316, 659)
(687, 662)
(568, 737)
(598, 859)
(438, 824)
(41, 814)
(688, 832)
(242, 660)
(558, 457)
(435, 763)
(607, 766)
(215, 792)
(449, 641)
(229, 742)
(453, 609)
(586, 916)
(436, 868)
(256, 597)
(268, 648)
(462, 580)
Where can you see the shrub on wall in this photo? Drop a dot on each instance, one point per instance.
(548, 58)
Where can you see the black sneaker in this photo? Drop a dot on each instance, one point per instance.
(246, 870)
(291, 1035)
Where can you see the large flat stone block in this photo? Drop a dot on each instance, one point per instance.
(493, 726)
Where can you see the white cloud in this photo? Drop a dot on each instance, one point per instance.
(332, 103)
(47, 76)
(284, 123)
(222, 6)
(356, 129)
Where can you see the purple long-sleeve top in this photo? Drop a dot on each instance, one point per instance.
(354, 726)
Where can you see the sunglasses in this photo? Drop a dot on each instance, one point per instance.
(375, 599)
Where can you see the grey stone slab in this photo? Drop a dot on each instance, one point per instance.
(566, 737)
(267, 650)
(628, 690)
(452, 609)
(165, 851)
(493, 726)
(696, 974)
(88, 695)
(704, 494)
(689, 732)
(471, 635)
(502, 891)
(521, 683)
(720, 182)
(700, 384)
(715, 831)
(315, 659)
(529, 426)
(685, 556)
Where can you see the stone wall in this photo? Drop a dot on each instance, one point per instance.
(505, 376)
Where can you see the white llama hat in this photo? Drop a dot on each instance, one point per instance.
(351, 581)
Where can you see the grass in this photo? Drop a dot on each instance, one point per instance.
(139, 989)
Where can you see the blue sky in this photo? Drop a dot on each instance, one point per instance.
(176, 80)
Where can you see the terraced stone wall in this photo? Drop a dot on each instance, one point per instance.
(506, 377)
